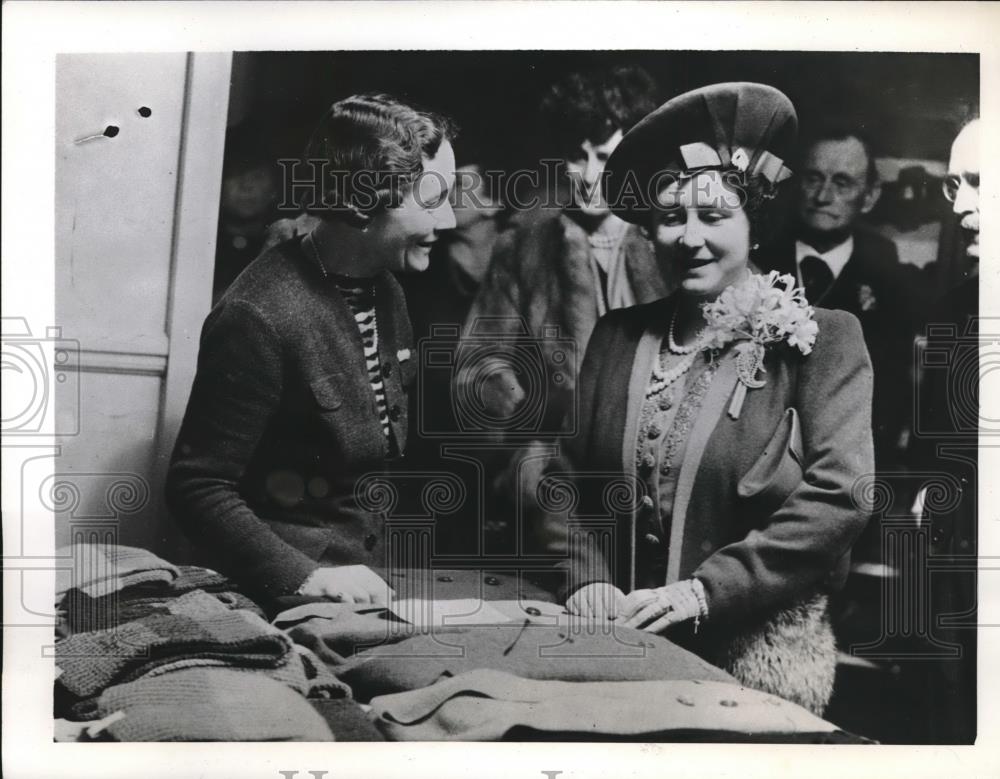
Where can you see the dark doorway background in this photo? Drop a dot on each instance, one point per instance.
(911, 104)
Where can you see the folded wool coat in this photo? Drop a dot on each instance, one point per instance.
(210, 704)
(341, 633)
(595, 652)
(487, 705)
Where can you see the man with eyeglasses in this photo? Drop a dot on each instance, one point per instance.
(843, 264)
(946, 445)
(961, 188)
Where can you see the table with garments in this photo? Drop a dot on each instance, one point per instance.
(151, 651)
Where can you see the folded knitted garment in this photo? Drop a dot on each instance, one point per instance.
(302, 671)
(487, 705)
(82, 614)
(195, 625)
(210, 704)
(194, 577)
(99, 569)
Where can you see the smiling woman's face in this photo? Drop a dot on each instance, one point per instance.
(404, 235)
(702, 234)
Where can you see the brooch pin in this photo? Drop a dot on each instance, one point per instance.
(866, 297)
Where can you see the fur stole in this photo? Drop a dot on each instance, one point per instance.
(792, 655)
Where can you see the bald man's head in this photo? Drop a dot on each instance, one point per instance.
(962, 184)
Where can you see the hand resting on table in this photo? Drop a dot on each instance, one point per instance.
(348, 584)
(654, 610)
(599, 601)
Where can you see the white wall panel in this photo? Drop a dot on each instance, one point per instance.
(135, 247)
(115, 196)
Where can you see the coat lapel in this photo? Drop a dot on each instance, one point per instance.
(346, 346)
(712, 408)
(646, 353)
(389, 343)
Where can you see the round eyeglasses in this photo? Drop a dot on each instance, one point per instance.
(952, 184)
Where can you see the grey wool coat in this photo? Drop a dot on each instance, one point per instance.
(766, 506)
(282, 421)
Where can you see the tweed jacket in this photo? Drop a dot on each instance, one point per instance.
(766, 506)
(282, 421)
(888, 298)
(540, 286)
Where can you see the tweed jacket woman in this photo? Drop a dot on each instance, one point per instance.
(766, 506)
(282, 421)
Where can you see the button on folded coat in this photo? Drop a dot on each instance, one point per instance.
(532, 651)
(486, 705)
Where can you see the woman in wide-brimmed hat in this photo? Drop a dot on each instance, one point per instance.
(740, 414)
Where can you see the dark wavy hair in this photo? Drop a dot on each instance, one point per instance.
(372, 148)
(592, 105)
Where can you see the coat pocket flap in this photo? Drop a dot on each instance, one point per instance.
(327, 391)
(779, 469)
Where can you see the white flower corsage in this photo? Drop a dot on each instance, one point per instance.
(756, 312)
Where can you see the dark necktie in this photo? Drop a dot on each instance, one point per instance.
(816, 277)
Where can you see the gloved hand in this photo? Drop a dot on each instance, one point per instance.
(657, 609)
(597, 601)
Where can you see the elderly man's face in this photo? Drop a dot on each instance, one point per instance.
(962, 185)
(833, 186)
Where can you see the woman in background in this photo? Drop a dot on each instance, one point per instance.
(741, 414)
(306, 363)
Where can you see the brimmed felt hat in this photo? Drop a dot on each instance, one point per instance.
(741, 126)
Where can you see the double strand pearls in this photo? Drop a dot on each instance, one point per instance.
(663, 379)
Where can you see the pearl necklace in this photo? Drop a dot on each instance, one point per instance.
(676, 348)
(663, 379)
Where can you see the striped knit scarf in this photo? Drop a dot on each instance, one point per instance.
(359, 295)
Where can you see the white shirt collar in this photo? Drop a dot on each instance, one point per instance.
(836, 258)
